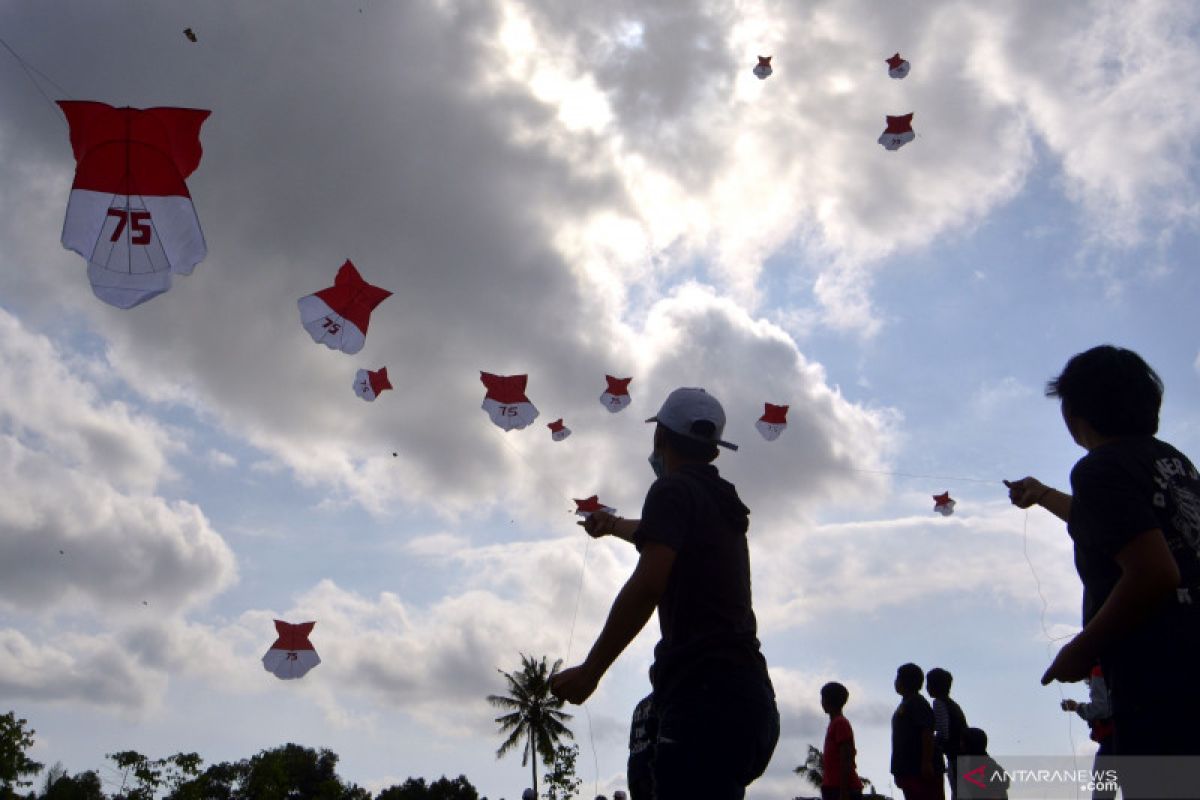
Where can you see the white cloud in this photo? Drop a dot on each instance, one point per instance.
(82, 670)
(79, 529)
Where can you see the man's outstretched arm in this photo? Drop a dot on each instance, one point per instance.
(632, 608)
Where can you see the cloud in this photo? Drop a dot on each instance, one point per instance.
(82, 670)
(897, 563)
(79, 530)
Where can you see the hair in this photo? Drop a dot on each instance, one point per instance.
(692, 449)
(910, 677)
(1111, 388)
(974, 742)
(836, 694)
(938, 680)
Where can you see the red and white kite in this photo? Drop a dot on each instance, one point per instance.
(763, 70)
(942, 504)
(773, 421)
(505, 400)
(898, 133)
(558, 431)
(588, 506)
(616, 396)
(368, 384)
(130, 213)
(897, 67)
(292, 655)
(338, 316)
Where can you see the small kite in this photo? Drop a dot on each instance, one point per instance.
(763, 70)
(338, 316)
(897, 67)
(588, 506)
(773, 421)
(190, 34)
(942, 504)
(368, 384)
(292, 655)
(616, 396)
(130, 213)
(505, 400)
(558, 431)
(898, 133)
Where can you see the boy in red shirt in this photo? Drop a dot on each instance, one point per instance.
(840, 780)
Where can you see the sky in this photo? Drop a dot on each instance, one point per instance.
(569, 190)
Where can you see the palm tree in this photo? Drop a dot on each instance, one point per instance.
(812, 770)
(532, 713)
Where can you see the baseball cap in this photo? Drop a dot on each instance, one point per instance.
(688, 405)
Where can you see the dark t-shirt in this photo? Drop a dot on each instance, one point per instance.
(704, 614)
(912, 717)
(1120, 490)
(643, 731)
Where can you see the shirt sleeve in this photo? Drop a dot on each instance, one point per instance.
(1114, 504)
(1098, 707)
(664, 515)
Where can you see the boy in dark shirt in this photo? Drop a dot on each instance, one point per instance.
(948, 722)
(1134, 518)
(914, 760)
(717, 719)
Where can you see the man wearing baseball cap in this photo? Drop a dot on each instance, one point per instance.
(717, 719)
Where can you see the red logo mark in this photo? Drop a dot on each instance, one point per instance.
(976, 776)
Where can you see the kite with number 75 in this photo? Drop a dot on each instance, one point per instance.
(898, 132)
(338, 317)
(292, 655)
(369, 384)
(505, 400)
(130, 213)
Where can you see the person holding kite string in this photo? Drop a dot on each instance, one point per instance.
(1134, 517)
(718, 723)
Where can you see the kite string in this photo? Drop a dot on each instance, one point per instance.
(1050, 640)
(29, 69)
(578, 601)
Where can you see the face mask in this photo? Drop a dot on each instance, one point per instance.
(658, 464)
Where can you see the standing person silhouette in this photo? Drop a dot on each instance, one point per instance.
(1134, 518)
(718, 723)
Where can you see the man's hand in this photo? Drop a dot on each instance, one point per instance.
(1069, 705)
(1025, 492)
(1071, 664)
(575, 684)
(599, 523)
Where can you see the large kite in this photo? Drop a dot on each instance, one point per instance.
(773, 421)
(762, 70)
(616, 396)
(505, 400)
(292, 655)
(368, 384)
(898, 132)
(130, 213)
(338, 316)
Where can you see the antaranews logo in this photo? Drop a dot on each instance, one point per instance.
(1053, 777)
